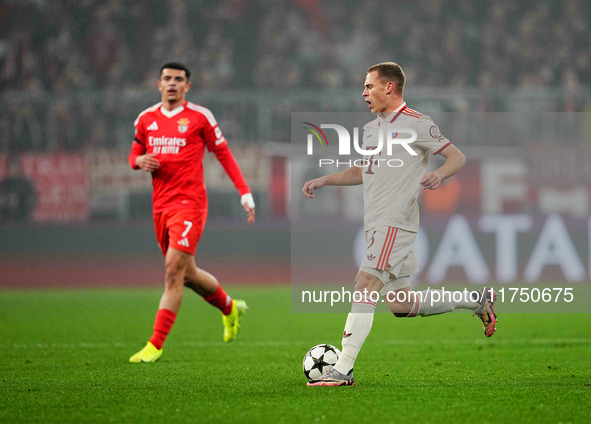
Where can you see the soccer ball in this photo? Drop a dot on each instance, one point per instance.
(318, 359)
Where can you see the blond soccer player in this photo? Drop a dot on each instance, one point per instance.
(391, 219)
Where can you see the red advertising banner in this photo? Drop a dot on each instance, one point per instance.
(60, 184)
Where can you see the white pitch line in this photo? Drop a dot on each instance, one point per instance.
(286, 343)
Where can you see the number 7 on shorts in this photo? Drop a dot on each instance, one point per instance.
(189, 224)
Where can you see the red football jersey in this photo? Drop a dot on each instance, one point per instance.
(178, 139)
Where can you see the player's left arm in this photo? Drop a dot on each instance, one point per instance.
(228, 162)
(216, 143)
(454, 161)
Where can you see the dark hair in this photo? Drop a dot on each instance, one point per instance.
(390, 71)
(178, 66)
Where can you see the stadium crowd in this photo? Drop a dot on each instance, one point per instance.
(111, 46)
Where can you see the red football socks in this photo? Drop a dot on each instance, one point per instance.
(164, 321)
(220, 300)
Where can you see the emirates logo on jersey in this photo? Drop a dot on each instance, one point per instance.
(183, 124)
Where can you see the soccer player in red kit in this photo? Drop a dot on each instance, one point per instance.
(170, 141)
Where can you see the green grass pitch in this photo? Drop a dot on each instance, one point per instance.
(63, 358)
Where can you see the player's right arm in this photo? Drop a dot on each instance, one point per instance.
(139, 158)
(350, 176)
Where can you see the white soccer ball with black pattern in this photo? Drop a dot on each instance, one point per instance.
(318, 359)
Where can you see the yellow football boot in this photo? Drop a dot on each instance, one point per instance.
(232, 320)
(148, 354)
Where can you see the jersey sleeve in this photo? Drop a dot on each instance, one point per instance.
(138, 146)
(226, 158)
(429, 136)
(211, 132)
(217, 144)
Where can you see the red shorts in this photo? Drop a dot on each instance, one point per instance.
(180, 229)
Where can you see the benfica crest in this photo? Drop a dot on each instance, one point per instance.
(183, 125)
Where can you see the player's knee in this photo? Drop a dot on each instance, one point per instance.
(175, 269)
(369, 282)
